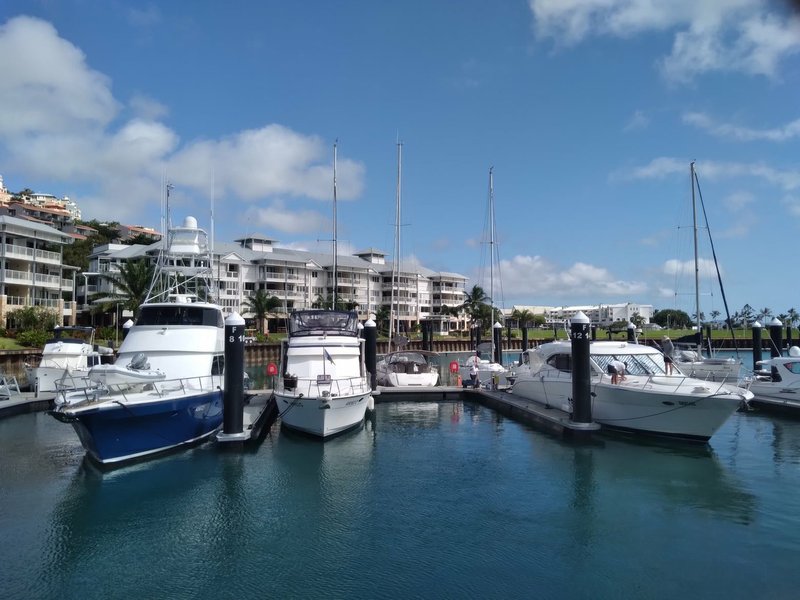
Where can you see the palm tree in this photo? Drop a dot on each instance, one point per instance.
(792, 316)
(262, 305)
(765, 313)
(523, 317)
(382, 318)
(476, 305)
(714, 315)
(130, 284)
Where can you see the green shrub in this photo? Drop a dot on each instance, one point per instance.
(34, 338)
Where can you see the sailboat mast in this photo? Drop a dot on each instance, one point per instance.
(696, 260)
(396, 261)
(335, 243)
(491, 256)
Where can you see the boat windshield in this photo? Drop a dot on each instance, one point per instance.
(318, 322)
(635, 364)
(161, 314)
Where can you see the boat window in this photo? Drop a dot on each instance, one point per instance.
(180, 315)
(635, 364)
(562, 362)
(218, 365)
(794, 367)
(317, 322)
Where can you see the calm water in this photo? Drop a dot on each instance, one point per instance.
(425, 501)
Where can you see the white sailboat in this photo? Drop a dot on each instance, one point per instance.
(323, 388)
(488, 369)
(691, 361)
(401, 367)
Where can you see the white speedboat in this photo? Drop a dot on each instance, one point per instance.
(165, 388)
(323, 387)
(776, 385)
(408, 368)
(66, 360)
(646, 401)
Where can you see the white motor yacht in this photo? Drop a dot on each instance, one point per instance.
(646, 400)
(323, 387)
(165, 388)
(66, 360)
(776, 385)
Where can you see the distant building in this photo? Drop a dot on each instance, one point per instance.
(601, 315)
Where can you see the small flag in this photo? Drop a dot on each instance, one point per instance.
(328, 356)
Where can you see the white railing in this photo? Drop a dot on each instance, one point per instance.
(17, 276)
(312, 388)
(17, 251)
(141, 392)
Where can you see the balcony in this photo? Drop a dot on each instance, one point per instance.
(25, 253)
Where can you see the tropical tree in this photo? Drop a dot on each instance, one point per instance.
(714, 315)
(130, 285)
(261, 304)
(765, 314)
(524, 317)
(670, 317)
(476, 305)
(382, 318)
(747, 314)
(792, 316)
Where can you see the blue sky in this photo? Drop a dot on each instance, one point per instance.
(589, 112)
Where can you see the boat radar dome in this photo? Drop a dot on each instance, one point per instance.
(190, 223)
(794, 352)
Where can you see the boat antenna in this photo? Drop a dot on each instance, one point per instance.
(335, 244)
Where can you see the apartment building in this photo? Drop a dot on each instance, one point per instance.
(31, 269)
(602, 315)
(301, 279)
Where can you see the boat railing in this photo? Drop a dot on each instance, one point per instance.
(318, 386)
(651, 381)
(102, 392)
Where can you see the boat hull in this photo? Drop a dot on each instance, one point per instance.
(633, 407)
(118, 431)
(323, 416)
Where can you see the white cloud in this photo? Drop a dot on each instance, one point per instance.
(638, 121)
(535, 276)
(702, 121)
(724, 35)
(120, 165)
(272, 160)
(738, 200)
(147, 108)
(792, 204)
(662, 167)
(683, 268)
(48, 87)
(278, 217)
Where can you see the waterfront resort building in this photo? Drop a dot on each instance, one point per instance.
(32, 270)
(302, 279)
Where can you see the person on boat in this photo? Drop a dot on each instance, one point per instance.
(668, 349)
(616, 368)
(474, 361)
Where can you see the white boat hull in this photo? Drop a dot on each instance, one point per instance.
(407, 379)
(322, 416)
(638, 405)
